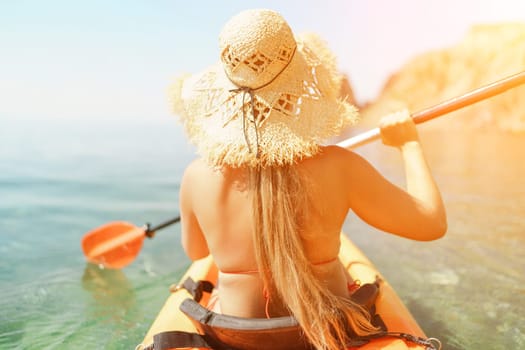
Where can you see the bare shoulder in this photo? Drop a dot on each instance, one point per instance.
(193, 173)
(336, 151)
(196, 168)
(344, 163)
(338, 156)
(196, 165)
(332, 164)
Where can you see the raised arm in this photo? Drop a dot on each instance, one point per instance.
(417, 212)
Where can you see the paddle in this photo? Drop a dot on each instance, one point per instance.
(445, 107)
(116, 244)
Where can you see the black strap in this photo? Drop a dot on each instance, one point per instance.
(197, 288)
(179, 339)
(166, 340)
(428, 343)
(366, 295)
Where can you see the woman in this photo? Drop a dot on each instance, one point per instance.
(267, 200)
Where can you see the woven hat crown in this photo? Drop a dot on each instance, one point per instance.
(256, 45)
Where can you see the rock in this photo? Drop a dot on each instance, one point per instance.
(487, 53)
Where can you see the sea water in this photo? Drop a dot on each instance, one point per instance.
(61, 178)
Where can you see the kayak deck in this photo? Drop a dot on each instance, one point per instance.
(393, 312)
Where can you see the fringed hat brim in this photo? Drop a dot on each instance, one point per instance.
(292, 116)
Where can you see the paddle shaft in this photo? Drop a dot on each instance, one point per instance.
(101, 249)
(445, 107)
(151, 230)
(425, 115)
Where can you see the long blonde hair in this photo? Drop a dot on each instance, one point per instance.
(281, 203)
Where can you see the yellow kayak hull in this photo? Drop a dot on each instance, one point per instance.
(388, 305)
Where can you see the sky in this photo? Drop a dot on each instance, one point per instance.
(102, 59)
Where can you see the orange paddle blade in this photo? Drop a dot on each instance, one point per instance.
(113, 245)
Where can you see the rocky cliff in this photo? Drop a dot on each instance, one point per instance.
(487, 53)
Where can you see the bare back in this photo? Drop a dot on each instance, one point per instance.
(222, 208)
(217, 218)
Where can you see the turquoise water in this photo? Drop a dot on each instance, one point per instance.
(59, 179)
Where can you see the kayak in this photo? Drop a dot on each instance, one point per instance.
(388, 305)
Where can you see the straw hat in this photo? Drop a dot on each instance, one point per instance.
(271, 100)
